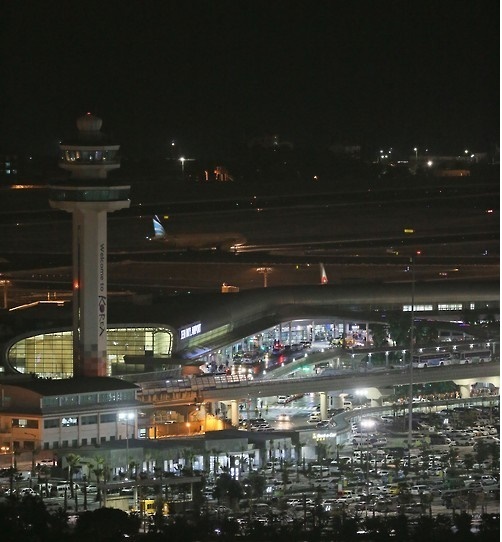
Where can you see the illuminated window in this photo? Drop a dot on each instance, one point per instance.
(50, 355)
(21, 422)
(449, 306)
(69, 421)
(418, 308)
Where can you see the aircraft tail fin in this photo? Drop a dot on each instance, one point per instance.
(324, 277)
(158, 228)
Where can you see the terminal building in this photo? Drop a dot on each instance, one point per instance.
(186, 333)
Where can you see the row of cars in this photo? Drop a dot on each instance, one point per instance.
(49, 489)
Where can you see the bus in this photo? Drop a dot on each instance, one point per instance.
(436, 359)
(472, 356)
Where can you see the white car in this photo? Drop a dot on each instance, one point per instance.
(347, 499)
(27, 491)
(419, 490)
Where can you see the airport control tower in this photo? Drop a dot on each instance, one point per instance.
(89, 196)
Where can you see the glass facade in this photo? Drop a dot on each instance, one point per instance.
(50, 355)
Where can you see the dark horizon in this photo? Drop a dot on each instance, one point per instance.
(212, 75)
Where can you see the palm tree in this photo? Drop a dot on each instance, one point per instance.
(216, 453)
(426, 501)
(188, 456)
(99, 472)
(73, 460)
(132, 469)
(44, 473)
(452, 456)
(148, 456)
(271, 455)
(339, 448)
(34, 454)
(299, 458)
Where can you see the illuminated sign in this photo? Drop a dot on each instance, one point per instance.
(102, 292)
(190, 331)
(323, 436)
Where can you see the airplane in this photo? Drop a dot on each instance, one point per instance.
(227, 241)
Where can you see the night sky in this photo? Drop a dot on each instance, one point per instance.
(213, 74)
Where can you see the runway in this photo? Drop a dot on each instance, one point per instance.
(363, 235)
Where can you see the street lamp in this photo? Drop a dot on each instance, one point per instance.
(412, 338)
(182, 160)
(125, 417)
(366, 425)
(264, 271)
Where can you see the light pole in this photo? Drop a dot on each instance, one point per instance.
(125, 417)
(264, 271)
(412, 338)
(182, 160)
(367, 424)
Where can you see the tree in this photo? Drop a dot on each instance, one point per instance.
(34, 454)
(188, 456)
(482, 452)
(380, 334)
(44, 474)
(106, 524)
(452, 456)
(256, 484)
(468, 461)
(73, 461)
(426, 333)
(494, 449)
(399, 329)
(299, 458)
(228, 488)
(426, 500)
(99, 472)
(463, 523)
(216, 463)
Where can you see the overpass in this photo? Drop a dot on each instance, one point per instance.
(221, 388)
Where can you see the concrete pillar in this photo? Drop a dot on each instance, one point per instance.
(324, 405)
(375, 397)
(465, 391)
(234, 406)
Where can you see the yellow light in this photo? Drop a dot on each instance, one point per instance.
(409, 230)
